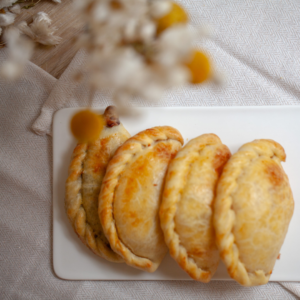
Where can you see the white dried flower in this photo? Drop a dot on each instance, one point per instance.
(219, 78)
(125, 53)
(80, 5)
(7, 19)
(130, 30)
(179, 76)
(170, 50)
(40, 31)
(127, 56)
(20, 51)
(159, 8)
(101, 11)
(147, 31)
(11, 70)
(16, 9)
(206, 31)
(6, 3)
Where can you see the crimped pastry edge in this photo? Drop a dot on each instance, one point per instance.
(225, 239)
(168, 211)
(76, 213)
(124, 154)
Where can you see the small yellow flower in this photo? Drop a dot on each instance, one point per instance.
(175, 16)
(86, 126)
(199, 67)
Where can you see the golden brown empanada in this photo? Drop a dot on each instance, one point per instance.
(253, 209)
(130, 196)
(83, 185)
(186, 212)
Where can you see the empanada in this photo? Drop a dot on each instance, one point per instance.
(131, 195)
(86, 173)
(253, 209)
(186, 212)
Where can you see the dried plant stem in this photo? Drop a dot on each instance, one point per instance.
(91, 97)
(30, 5)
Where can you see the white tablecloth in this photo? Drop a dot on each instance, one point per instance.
(256, 44)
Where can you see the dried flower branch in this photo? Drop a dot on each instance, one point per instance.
(19, 49)
(139, 48)
(16, 9)
(7, 18)
(39, 30)
(32, 4)
(10, 8)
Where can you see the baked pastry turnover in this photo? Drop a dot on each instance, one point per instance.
(253, 209)
(86, 173)
(186, 212)
(130, 196)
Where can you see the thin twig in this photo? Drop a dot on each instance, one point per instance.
(20, 1)
(91, 97)
(31, 5)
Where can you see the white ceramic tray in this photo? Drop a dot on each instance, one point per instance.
(235, 126)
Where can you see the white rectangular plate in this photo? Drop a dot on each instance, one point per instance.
(235, 126)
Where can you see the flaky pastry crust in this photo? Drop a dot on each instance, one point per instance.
(253, 208)
(186, 211)
(86, 173)
(130, 196)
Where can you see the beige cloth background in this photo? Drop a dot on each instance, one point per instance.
(257, 44)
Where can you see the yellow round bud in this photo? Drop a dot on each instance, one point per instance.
(199, 67)
(175, 16)
(86, 126)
